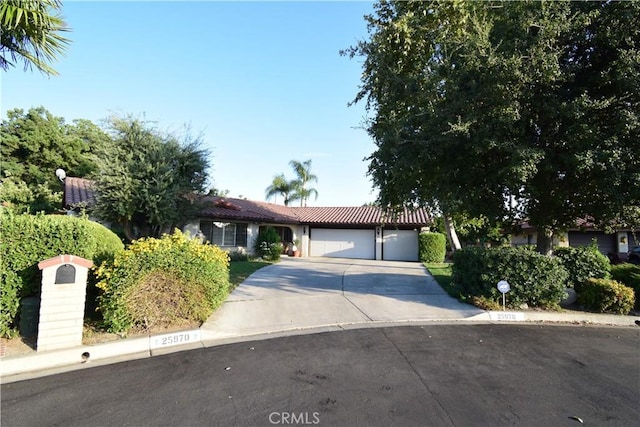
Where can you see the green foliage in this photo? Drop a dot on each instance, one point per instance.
(148, 181)
(29, 239)
(34, 145)
(31, 33)
(542, 98)
(582, 263)
(605, 295)
(535, 279)
(299, 186)
(473, 231)
(268, 245)
(162, 282)
(432, 247)
(239, 255)
(628, 275)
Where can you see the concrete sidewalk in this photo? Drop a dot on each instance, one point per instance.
(300, 296)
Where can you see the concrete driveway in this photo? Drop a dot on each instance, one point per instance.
(327, 293)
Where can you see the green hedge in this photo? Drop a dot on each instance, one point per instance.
(29, 239)
(432, 247)
(605, 295)
(162, 282)
(628, 275)
(535, 279)
(582, 263)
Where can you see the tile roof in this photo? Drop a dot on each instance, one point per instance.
(242, 209)
(78, 192)
(360, 215)
(345, 216)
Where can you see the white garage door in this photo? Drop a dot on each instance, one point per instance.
(337, 243)
(400, 245)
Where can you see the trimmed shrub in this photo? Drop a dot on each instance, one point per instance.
(582, 263)
(605, 295)
(29, 239)
(629, 275)
(535, 280)
(432, 247)
(268, 245)
(162, 282)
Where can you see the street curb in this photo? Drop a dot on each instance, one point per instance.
(18, 368)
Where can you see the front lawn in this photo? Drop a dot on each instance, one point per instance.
(240, 270)
(441, 271)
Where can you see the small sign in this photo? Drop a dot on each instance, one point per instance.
(176, 338)
(503, 286)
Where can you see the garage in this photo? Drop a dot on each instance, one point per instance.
(343, 243)
(400, 245)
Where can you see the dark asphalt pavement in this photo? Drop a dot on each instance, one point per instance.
(435, 375)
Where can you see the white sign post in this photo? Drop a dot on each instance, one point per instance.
(503, 286)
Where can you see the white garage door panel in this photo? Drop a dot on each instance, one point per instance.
(339, 243)
(400, 245)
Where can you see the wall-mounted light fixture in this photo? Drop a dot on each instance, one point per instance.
(623, 239)
(304, 230)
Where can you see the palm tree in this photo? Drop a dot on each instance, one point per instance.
(31, 33)
(300, 190)
(280, 185)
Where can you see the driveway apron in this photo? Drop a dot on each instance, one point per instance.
(298, 294)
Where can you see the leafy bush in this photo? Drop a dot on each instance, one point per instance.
(239, 255)
(159, 282)
(535, 280)
(432, 247)
(582, 263)
(605, 295)
(628, 275)
(268, 245)
(29, 239)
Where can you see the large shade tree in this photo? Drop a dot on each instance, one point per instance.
(31, 32)
(149, 181)
(34, 144)
(507, 111)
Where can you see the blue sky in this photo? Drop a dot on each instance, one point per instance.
(262, 81)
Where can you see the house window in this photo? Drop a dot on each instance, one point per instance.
(224, 233)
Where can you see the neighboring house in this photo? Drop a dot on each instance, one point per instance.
(363, 232)
(584, 234)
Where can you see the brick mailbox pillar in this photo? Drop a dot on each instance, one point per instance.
(64, 290)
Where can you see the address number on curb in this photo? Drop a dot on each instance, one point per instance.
(506, 316)
(175, 338)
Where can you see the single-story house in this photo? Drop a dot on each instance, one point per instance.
(583, 234)
(362, 232)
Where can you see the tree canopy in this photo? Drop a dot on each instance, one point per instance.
(36, 143)
(507, 111)
(279, 186)
(31, 32)
(149, 181)
(300, 185)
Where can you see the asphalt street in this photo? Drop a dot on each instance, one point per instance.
(434, 375)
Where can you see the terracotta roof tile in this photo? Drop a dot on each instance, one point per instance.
(360, 215)
(78, 192)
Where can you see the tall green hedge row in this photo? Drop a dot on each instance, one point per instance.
(28, 239)
(535, 279)
(432, 247)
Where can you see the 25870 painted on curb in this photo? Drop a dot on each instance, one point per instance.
(176, 338)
